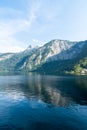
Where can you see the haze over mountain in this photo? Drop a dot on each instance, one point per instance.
(56, 56)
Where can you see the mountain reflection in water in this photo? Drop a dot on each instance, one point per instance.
(43, 102)
(59, 91)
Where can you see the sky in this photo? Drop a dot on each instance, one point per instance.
(36, 22)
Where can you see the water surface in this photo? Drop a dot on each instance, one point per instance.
(40, 102)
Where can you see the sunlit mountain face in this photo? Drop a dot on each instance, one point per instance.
(61, 55)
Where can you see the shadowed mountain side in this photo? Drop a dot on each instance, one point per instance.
(42, 54)
(67, 60)
(57, 56)
(70, 53)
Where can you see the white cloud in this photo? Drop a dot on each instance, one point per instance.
(10, 27)
(38, 42)
(8, 45)
(11, 49)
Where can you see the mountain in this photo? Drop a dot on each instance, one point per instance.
(10, 61)
(71, 61)
(56, 56)
(44, 53)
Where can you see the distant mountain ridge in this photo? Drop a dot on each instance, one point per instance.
(56, 56)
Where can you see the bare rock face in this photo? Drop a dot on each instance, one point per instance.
(53, 51)
(67, 50)
(58, 47)
(34, 57)
(49, 51)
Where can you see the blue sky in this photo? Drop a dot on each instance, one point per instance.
(35, 22)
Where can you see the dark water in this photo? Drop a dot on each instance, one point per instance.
(35, 102)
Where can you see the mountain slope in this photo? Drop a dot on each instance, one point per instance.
(56, 57)
(44, 53)
(80, 65)
(74, 64)
(11, 61)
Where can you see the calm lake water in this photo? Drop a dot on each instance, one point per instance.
(39, 102)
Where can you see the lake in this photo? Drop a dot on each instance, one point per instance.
(40, 102)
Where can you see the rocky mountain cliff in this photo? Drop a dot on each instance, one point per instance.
(46, 52)
(60, 55)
